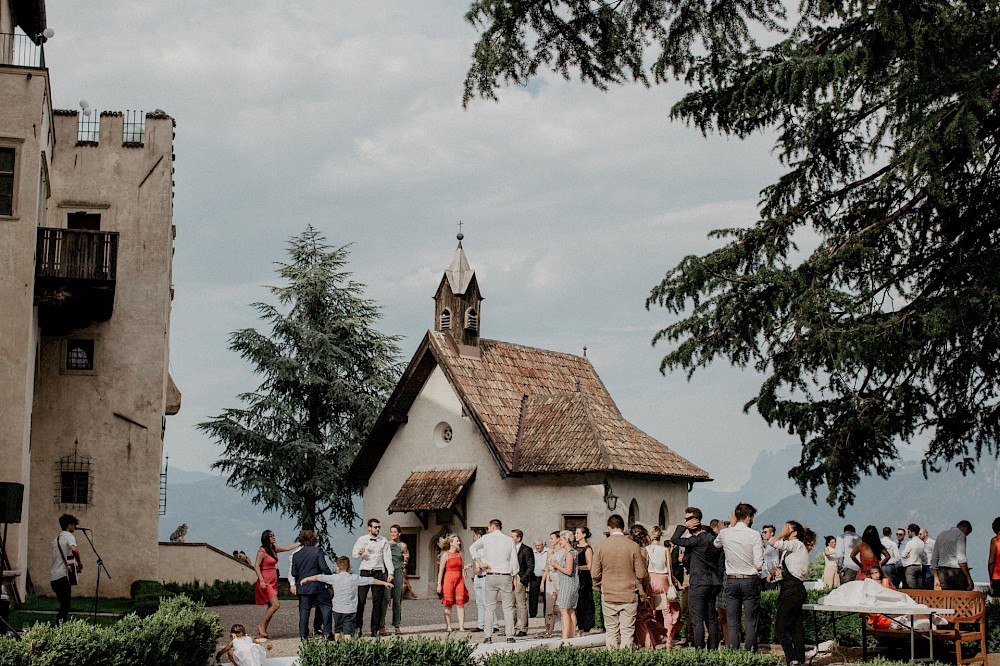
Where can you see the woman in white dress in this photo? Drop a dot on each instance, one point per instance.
(831, 573)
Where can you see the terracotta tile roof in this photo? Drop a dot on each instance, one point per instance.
(432, 489)
(571, 423)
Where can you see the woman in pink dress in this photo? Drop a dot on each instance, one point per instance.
(451, 580)
(265, 592)
(661, 575)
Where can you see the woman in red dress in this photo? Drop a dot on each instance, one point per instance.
(451, 580)
(869, 553)
(265, 592)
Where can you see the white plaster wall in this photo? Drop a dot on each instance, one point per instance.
(131, 361)
(535, 505)
(23, 117)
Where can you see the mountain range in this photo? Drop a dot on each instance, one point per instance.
(225, 518)
(937, 502)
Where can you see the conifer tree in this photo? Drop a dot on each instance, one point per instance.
(326, 373)
(867, 292)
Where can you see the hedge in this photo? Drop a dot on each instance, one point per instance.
(178, 634)
(409, 651)
(567, 656)
(146, 594)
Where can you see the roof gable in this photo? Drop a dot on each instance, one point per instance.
(540, 412)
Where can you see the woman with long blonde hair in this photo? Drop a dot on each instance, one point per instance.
(569, 584)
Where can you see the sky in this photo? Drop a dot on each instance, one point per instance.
(347, 116)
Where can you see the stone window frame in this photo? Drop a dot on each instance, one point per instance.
(74, 468)
(15, 146)
(64, 366)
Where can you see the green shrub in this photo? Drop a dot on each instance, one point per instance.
(146, 587)
(219, 593)
(409, 651)
(147, 604)
(818, 626)
(598, 611)
(567, 656)
(993, 626)
(13, 651)
(178, 634)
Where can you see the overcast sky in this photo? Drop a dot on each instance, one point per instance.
(348, 116)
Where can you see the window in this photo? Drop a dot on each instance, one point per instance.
(633, 513)
(664, 515)
(445, 319)
(7, 181)
(79, 354)
(74, 487)
(84, 221)
(73, 484)
(471, 320)
(410, 539)
(571, 521)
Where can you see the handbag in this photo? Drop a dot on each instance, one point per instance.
(671, 594)
(70, 564)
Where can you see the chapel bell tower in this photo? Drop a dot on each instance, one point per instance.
(457, 301)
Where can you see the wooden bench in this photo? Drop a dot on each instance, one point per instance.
(967, 625)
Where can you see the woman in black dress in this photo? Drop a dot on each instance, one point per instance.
(584, 558)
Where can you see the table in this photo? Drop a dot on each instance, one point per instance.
(889, 611)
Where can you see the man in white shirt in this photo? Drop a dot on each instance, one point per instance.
(949, 565)
(928, 551)
(376, 562)
(891, 568)
(496, 557)
(912, 559)
(744, 551)
(845, 544)
(65, 564)
(534, 592)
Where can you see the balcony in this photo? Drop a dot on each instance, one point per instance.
(19, 51)
(75, 274)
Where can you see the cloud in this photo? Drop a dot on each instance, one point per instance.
(349, 117)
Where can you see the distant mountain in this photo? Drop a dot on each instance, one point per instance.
(225, 518)
(936, 503)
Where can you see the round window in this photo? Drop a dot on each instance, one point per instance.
(442, 434)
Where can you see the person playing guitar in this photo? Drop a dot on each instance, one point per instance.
(66, 564)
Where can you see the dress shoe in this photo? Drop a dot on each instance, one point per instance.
(510, 639)
(521, 634)
(476, 629)
(488, 639)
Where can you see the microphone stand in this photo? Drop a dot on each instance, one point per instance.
(98, 568)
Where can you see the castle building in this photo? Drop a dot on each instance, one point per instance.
(479, 429)
(86, 248)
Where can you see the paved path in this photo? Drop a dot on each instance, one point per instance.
(421, 617)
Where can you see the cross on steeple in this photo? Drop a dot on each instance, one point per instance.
(460, 234)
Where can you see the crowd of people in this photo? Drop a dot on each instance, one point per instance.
(711, 575)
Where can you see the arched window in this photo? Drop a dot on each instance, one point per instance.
(633, 513)
(471, 320)
(445, 319)
(664, 516)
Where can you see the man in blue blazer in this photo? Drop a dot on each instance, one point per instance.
(310, 561)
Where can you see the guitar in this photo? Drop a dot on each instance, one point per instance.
(71, 566)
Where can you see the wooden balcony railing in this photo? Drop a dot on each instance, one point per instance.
(76, 255)
(75, 274)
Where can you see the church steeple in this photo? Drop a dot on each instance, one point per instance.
(457, 301)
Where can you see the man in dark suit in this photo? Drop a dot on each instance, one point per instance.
(704, 567)
(310, 561)
(525, 572)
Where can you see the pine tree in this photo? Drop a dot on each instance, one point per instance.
(867, 291)
(326, 375)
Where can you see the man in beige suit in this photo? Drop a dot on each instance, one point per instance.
(618, 569)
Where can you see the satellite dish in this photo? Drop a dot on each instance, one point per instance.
(48, 33)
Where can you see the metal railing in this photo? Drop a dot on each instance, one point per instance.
(19, 51)
(89, 129)
(134, 127)
(82, 255)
